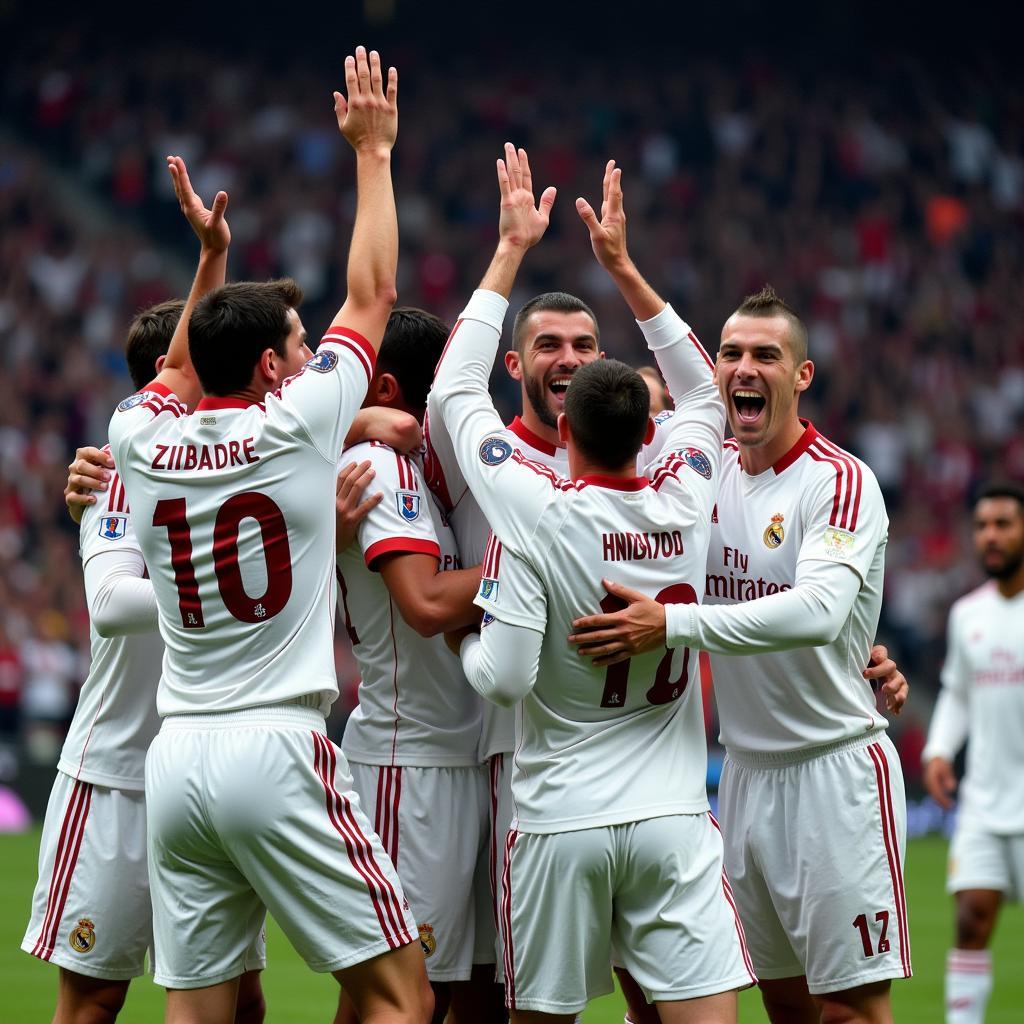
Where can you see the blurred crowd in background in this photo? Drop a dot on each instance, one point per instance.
(885, 206)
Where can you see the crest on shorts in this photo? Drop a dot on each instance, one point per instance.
(83, 936)
(323, 362)
(113, 527)
(133, 400)
(494, 451)
(408, 505)
(774, 533)
(698, 462)
(489, 589)
(427, 940)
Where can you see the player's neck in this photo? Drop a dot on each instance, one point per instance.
(756, 459)
(1012, 586)
(581, 468)
(532, 422)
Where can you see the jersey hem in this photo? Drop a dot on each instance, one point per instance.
(617, 817)
(133, 785)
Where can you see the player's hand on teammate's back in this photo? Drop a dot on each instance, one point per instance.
(617, 636)
(607, 235)
(368, 117)
(885, 677)
(209, 224)
(940, 781)
(89, 471)
(522, 222)
(349, 511)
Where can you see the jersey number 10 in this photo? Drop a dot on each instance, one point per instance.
(274, 538)
(665, 689)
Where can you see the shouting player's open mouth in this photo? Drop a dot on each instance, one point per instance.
(749, 405)
(558, 385)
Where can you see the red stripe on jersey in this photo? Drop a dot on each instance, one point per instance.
(403, 546)
(547, 472)
(846, 476)
(497, 760)
(401, 471)
(354, 341)
(359, 849)
(827, 445)
(163, 407)
(890, 838)
(506, 921)
(410, 475)
(68, 847)
(115, 482)
(444, 351)
(841, 482)
(394, 679)
(700, 348)
(492, 557)
(433, 470)
(667, 471)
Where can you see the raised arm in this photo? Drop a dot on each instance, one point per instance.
(214, 237)
(368, 118)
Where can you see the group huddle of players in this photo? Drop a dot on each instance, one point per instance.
(466, 857)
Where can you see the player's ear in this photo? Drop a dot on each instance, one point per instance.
(159, 365)
(804, 375)
(267, 365)
(512, 364)
(563, 428)
(388, 390)
(649, 432)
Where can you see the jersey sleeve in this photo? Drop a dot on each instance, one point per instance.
(400, 523)
(137, 412)
(844, 515)
(502, 661)
(512, 491)
(323, 398)
(949, 725)
(510, 589)
(107, 524)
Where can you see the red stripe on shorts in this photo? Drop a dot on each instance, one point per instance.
(360, 850)
(495, 766)
(68, 846)
(731, 900)
(891, 839)
(506, 921)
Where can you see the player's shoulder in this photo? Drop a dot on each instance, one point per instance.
(974, 600)
(108, 520)
(825, 467)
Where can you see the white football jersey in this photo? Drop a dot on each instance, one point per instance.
(594, 746)
(472, 531)
(983, 681)
(234, 511)
(116, 718)
(817, 503)
(415, 706)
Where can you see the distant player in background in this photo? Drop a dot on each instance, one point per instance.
(794, 582)
(660, 398)
(91, 912)
(982, 701)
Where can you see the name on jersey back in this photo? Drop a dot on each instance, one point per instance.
(205, 456)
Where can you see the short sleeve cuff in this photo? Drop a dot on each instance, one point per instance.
(513, 618)
(401, 546)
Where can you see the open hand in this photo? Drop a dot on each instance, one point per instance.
(522, 222)
(617, 636)
(349, 511)
(209, 225)
(368, 118)
(607, 235)
(940, 781)
(89, 471)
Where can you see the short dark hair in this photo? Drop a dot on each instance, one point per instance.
(413, 342)
(233, 325)
(149, 337)
(767, 303)
(1002, 489)
(556, 302)
(608, 407)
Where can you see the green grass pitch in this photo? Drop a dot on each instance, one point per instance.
(297, 996)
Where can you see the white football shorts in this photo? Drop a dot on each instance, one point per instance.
(433, 823)
(814, 845)
(251, 811)
(500, 771)
(979, 859)
(653, 888)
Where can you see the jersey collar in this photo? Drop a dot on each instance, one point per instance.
(615, 483)
(803, 443)
(524, 433)
(219, 402)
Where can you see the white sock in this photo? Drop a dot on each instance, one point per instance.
(968, 985)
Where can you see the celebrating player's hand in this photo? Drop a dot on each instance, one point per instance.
(617, 636)
(209, 224)
(349, 511)
(885, 677)
(522, 222)
(607, 235)
(940, 781)
(368, 118)
(89, 471)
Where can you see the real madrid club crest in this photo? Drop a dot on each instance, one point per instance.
(774, 534)
(83, 936)
(427, 940)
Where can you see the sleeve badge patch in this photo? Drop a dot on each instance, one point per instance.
(698, 462)
(486, 620)
(113, 527)
(133, 400)
(494, 451)
(664, 416)
(839, 544)
(408, 505)
(489, 589)
(323, 362)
